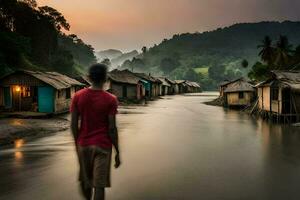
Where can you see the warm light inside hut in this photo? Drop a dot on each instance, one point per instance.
(18, 88)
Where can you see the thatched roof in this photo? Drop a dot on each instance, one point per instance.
(179, 81)
(170, 81)
(187, 83)
(289, 79)
(124, 76)
(54, 79)
(148, 77)
(164, 81)
(240, 86)
(194, 84)
(83, 79)
(227, 82)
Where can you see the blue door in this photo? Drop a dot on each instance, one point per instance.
(7, 97)
(46, 99)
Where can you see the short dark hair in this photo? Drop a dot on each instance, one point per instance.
(98, 73)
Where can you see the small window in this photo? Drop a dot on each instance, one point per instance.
(59, 94)
(275, 94)
(68, 93)
(25, 92)
(241, 95)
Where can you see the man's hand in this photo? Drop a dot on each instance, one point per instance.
(117, 160)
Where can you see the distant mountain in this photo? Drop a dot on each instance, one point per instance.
(225, 47)
(110, 54)
(122, 58)
(116, 57)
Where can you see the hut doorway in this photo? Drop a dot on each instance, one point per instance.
(7, 97)
(286, 101)
(23, 98)
(124, 91)
(46, 99)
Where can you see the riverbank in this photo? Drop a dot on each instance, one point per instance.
(216, 102)
(13, 129)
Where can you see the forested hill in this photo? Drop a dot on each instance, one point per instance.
(33, 37)
(187, 53)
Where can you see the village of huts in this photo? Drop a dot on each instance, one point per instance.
(51, 92)
(277, 98)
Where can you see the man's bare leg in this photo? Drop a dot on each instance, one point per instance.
(99, 194)
(86, 191)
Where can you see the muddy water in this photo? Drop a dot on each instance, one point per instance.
(174, 148)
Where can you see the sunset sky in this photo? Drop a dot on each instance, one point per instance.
(131, 24)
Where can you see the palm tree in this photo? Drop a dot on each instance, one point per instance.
(283, 52)
(245, 63)
(267, 52)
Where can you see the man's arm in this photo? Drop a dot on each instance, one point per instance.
(74, 124)
(113, 134)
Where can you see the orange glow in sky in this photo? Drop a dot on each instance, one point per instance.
(131, 24)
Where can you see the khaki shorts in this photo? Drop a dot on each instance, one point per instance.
(95, 165)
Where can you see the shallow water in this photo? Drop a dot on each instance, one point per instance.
(174, 148)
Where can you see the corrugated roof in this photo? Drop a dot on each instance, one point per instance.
(55, 79)
(124, 76)
(240, 86)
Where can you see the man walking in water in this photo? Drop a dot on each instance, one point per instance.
(96, 134)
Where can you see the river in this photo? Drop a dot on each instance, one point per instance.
(174, 148)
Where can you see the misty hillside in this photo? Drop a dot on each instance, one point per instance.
(186, 53)
(109, 53)
(116, 57)
(122, 58)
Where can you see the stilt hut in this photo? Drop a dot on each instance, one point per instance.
(279, 97)
(224, 85)
(45, 92)
(125, 85)
(239, 93)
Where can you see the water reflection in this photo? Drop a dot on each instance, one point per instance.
(16, 122)
(18, 144)
(18, 155)
(199, 151)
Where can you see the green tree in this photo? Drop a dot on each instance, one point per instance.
(267, 52)
(167, 65)
(259, 72)
(106, 62)
(137, 63)
(55, 17)
(191, 75)
(283, 52)
(217, 72)
(144, 50)
(244, 63)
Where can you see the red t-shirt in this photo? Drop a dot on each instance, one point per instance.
(94, 107)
